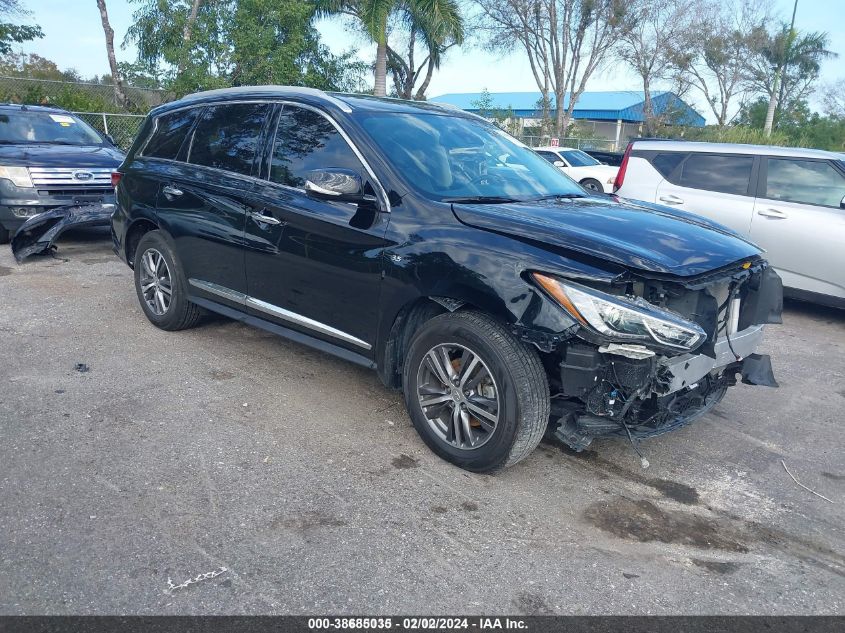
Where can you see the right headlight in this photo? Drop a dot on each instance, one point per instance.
(622, 318)
(18, 175)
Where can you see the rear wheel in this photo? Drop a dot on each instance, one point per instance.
(592, 184)
(477, 396)
(161, 285)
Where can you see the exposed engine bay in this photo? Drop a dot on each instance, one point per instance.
(640, 389)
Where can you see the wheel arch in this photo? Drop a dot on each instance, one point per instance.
(134, 233)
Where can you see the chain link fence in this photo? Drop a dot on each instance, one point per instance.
(77, 95)
(577, 143)
(121, 127)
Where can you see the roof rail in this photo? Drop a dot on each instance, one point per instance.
(292, 91)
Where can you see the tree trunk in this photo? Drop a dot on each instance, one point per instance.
(187, 34)
(773, 102)
(119, 90)
(559, 112)
(380, 88)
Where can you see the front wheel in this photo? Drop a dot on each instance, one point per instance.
(478, 397)
(592, 184)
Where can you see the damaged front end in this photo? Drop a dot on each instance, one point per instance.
(654, 353)
(38, 234)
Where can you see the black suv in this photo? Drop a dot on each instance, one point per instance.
(50, 158)
(423, 242)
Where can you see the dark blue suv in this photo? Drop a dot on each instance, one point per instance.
(50, 158)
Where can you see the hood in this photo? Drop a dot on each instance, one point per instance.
(647, 238)
(47, 155)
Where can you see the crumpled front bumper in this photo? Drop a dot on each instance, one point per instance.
(38, 233)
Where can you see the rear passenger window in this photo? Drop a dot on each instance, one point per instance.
(726, 173)
(170, 131)
(226, 137)
(808, 181)
(666, 163)
(306, 140)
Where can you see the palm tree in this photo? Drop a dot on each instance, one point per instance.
(436, 19)
(439, 28)
(791, 61)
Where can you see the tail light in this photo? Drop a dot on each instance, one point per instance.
(620, 175)
(115, 178)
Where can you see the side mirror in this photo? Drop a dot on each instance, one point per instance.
(559, 163)
(339, 185)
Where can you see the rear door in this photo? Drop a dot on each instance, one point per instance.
(316, 267)
(717, 186)
(799, 221)
(204, 200)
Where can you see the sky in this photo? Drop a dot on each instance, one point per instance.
(74, 39)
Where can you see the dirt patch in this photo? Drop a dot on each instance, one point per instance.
(221, 374)
(306, 522)
(403, 462)
(833, 476)
(644, 522)
(469, 506)
(716, 566)
(4, 270)
(90, 261)
(439, 510)
(675, 491)
(532, 604)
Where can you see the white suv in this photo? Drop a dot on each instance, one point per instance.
(581, 167)
(789, 201)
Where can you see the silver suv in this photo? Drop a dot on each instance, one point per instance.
(789, 201)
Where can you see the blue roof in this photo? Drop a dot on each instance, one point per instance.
(610, 106)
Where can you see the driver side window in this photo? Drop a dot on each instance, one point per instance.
(306, 140)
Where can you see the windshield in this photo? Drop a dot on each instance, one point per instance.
(451, 158)
(577, 158)
(46, 127)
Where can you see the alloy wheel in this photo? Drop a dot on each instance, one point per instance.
(458, 396)
(156, 285)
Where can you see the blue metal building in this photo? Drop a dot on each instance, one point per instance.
(615, 116)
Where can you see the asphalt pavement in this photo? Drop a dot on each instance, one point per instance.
(132, 460)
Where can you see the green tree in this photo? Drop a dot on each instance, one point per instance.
(436, 31)
(784, 66)
(195, 45)
(437, 19)
(11, 33)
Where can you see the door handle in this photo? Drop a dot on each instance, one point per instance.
(773, 213)
(670, 199)
(171, 192)
(259, 216)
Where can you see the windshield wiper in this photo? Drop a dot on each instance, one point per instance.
(480, 200)
(556, 196)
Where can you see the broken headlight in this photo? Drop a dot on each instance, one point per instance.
(622, 318)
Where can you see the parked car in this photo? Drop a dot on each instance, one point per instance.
(429, 245)
(50, 158)
(581, 167)
(614, 159)
(789, 201)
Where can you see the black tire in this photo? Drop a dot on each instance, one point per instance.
(4, 235)
(522, 389)
(180, 314)
(592, 184)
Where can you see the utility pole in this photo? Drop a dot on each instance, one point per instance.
(777, 88)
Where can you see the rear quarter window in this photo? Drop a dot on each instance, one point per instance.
(666, 162)
(170, 132)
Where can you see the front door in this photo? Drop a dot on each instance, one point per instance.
(799, 221)
(315, 265)
(717, 186)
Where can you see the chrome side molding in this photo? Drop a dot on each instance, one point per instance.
(274, 310)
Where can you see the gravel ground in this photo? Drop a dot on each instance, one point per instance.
(129, 456)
